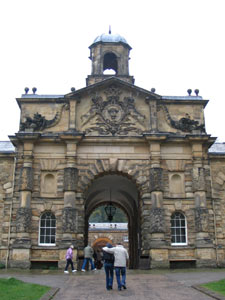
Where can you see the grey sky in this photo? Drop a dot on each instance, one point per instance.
(177, 45)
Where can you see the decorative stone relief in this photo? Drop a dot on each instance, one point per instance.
(70, 179)
(69, 219)
(23, 219)
(26, 179)
(38, 122)
(157, 224)
(184, 124)
(156, 180)
(201, 219)
(113, 116)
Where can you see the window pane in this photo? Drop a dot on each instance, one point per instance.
(41, 239)
(53, 231)
(47, 223)
(53, 223)
(47, 239)
(52, 240)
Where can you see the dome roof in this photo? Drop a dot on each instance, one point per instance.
(110, 38)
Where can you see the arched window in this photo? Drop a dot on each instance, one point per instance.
(47, 229)
(110, 62)
(178, 229)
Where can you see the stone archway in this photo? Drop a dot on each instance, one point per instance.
(124, 194)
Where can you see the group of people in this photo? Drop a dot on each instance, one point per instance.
(114, 258)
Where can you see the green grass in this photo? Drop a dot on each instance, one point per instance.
(216, 286)
(13, 289)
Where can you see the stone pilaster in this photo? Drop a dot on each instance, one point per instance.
(22, 244)
(70, 212)
(204, 252)
(153, 124)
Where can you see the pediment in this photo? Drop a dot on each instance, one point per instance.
(112, 81)
(112, 108)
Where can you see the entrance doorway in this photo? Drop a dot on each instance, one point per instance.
(122, 193)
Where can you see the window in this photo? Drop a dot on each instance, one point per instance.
(178, 229)
(47, 229)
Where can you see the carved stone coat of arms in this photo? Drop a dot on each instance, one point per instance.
(112, 116)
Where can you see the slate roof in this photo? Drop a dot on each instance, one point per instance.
(6, 147)
(217, 148)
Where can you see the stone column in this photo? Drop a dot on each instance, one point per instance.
(22, 245)
(204, 252)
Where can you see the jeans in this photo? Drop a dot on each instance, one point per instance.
(108, 275)
(122, 271)
(69, 262)
(85, 262)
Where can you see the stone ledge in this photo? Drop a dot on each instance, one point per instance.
(208, 292)
(50, 294)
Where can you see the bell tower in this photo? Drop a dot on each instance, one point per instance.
(109, 54)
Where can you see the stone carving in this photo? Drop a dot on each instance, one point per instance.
(184, 124)
(112, 116)
(156, 180)
(201, 219)
(23, 219)
(38, 122)
(157, 224)
(70, 179)
(26, 179)
(69, 219)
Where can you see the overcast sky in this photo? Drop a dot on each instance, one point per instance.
(177, 45)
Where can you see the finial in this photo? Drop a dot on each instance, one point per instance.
(109, 29)
(189, 92)
(153, 90)
(196, 92)
(26, 90)
(34, 89)
(73, 89)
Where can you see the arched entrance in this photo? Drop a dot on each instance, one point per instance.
(123, 193)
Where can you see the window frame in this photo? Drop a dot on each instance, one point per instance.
(47, 227)
(180, 227)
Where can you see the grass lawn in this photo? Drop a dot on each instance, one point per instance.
(13, 289)
(216, 286)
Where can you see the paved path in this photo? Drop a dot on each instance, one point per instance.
(141, 285)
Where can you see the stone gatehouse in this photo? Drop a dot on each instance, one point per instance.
(112, 141)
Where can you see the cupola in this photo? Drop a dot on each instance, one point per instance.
(109, 54)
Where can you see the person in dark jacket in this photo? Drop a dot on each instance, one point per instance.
(108, 259)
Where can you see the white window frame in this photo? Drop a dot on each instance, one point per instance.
(45, 227)
(178, 227)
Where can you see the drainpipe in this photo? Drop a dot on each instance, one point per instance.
(10, 216)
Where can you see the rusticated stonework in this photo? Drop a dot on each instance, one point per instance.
(201, 219)
(157, 223)
(26, 179)
(198, 176)
(156, 183)
(69, 219)
(23, 219)
(70, 179)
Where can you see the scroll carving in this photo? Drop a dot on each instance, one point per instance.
(113, 116)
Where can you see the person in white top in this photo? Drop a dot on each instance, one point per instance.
(120, 263)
